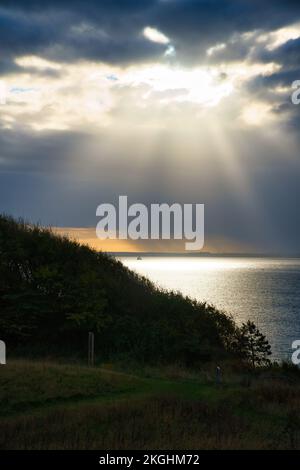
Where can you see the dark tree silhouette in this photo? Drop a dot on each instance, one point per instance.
(253, 345)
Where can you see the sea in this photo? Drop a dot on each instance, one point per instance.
(264, 290)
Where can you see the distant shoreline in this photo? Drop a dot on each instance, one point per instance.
(200, 255)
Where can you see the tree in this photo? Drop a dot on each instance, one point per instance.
(253, 345)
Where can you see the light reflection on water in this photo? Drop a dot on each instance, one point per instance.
(264, 290)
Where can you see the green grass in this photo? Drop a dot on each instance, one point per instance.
(51, 406)
(25, 385)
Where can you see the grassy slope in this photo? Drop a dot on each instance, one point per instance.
(45, 405)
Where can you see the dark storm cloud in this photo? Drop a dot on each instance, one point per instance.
(110, 31)
(195, 25)
(69, 31)
(265, 87)
(23, 150)
(287, 55)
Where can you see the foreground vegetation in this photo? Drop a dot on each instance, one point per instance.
(54, 291)
(48, 406)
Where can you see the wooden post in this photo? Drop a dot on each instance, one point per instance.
(218, 375)
(91, 349)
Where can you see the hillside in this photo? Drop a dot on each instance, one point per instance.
(53, 291)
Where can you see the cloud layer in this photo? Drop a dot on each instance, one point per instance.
(162, 100)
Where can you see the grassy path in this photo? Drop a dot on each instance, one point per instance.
(46, 405)
(32, 387)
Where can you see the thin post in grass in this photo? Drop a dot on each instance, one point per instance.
(218, 375)
(91, 348)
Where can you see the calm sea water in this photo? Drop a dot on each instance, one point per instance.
(264, 290)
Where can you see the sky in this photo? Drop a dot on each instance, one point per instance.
(161, 100)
